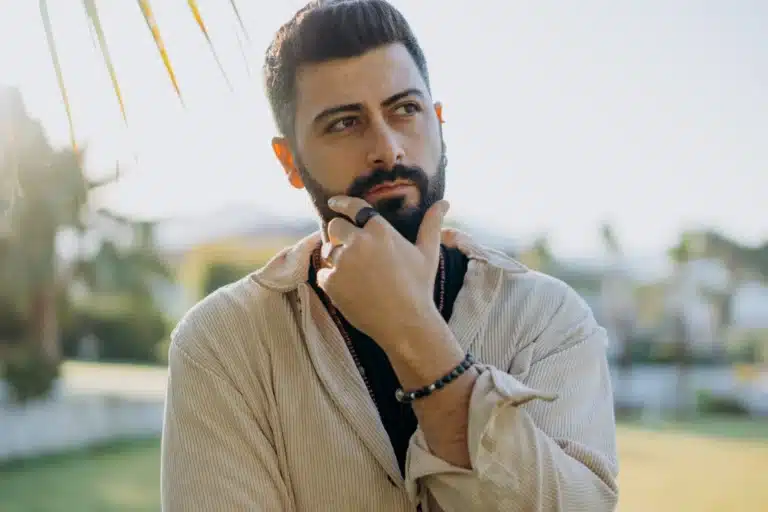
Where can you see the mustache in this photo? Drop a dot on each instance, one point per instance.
(366, 182)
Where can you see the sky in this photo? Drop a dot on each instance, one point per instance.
(651, 115)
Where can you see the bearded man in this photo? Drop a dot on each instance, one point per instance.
(384, 363)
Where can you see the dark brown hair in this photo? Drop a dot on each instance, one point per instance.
(325, 30)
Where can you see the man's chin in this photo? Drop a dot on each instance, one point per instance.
(407, 223)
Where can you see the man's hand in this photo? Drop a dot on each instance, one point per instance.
(379, 281)
(384, 286)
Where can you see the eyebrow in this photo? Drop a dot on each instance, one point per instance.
(358, 107)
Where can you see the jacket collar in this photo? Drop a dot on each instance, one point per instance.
(290, 267)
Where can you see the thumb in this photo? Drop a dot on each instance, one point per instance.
(428, 240)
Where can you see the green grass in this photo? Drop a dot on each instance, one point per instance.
(710, 426)
(119, 477)
(125, 476)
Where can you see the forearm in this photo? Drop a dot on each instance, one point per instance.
(547, 444)
(424, 356)
(515, 464)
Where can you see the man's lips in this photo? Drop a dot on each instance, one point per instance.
(388, 189)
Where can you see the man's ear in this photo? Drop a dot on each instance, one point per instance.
(285, 156)
(439, 112)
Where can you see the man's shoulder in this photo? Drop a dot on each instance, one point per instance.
(546, 291)
(229, 317)
(521, 284)
(543, 307)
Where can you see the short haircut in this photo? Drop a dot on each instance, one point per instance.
(325, 30)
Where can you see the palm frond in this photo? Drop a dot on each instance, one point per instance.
(242, 53)
(146, 10)
(93, 15)
(240, 39)
(240, 20)
(44, 14)
(98, 38)
(200, 23)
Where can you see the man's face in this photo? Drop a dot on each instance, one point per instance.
(366, 127)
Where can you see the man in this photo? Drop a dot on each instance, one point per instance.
(384, 363)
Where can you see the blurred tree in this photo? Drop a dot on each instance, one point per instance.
(53, 190)
(744, 261)
(52, 193)
(610, 239)
(679, 324)
(539, 255)
(130, 272)
(618, 308)
(222, 274)
(119, 316)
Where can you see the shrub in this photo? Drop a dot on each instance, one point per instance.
(126, 331)
(709, 403)
(222, 274)
(29, 375)
(161, 351)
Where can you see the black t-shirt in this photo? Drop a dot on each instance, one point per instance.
(399, 419)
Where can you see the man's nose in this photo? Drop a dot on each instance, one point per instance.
(386, 149)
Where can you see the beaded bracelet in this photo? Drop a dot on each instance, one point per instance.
(406, 397)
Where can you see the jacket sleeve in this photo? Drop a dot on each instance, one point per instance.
(541, 441)
(216, 454)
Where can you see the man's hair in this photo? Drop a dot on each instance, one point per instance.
(325, 30)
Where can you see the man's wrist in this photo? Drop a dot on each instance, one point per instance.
(425, 353)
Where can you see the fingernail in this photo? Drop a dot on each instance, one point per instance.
(446, 207)
(334, 201)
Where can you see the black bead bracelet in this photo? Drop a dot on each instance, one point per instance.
(406, 397)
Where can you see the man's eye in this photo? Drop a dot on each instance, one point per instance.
(407, 109)
(342, 124)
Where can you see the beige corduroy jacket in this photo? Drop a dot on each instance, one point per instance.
(266, 410)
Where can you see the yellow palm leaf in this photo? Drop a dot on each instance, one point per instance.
(146, 10)
(199, 19)
(57, 67)
(93, 15)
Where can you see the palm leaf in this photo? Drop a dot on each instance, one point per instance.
(92, 32)
(146, 10)
(240, 20)
(93, 15)
(199, 19)
(242, 52)
(57, 67)
(245, 33)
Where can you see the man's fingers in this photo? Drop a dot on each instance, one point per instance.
(341, 231)
(329, 253)
(428, 240)
(351, 206)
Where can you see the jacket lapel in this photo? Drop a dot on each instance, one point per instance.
(338, 373)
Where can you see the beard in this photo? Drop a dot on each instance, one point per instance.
(405, 218)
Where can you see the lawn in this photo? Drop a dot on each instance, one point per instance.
(121, 477)
(673, 469)
(667, 468)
